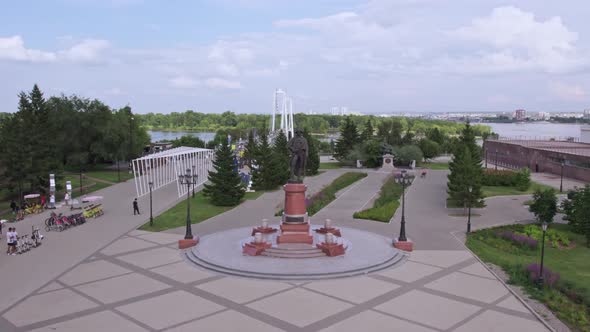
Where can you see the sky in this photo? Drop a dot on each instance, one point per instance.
(371, 56)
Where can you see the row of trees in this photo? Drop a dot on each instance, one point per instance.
(269, 162)
(370, 145)
(49, 135)
(317, 123)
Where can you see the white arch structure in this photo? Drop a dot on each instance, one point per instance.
(163, 168)
(282, 105)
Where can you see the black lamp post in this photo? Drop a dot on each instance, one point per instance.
(188, 179)
(195, 173)
(151, 184)
(130, 138)
(469, 210)
(544, 226)
(561, 181)
(405, 181)
(486, 158)
(496, 166)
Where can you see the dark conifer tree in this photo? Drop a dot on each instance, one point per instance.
(262, 171)
(349, 137)
(313, 156)
(225, 186)
(368, 131)
(280, 159)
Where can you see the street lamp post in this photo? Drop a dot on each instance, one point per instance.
(469, 210)
(188, 179)
(541, 277)
(195, 173)
(151, 184)
(405, 181)
(486, 158)
(496, 166)
(130, 138)
(561, 181)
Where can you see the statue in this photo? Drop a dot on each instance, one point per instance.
(298, 148)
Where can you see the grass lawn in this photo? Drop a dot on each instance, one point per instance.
(489, 191)
(324, 197)
(110, 175)
(571, 264)
(385, 206)
(76, 185)
(201, 210)
(435, 166)
(330, 165)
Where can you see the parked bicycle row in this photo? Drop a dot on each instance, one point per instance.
(59, 222)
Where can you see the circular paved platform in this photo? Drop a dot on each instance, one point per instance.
(222, 253)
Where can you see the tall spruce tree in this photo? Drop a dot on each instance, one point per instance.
(348, 139)
(250, 151)
(262, 171)
(464, 173)
(313, 157)
(225, 188)
(368, 131)
(280, 159)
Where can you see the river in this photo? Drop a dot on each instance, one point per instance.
(536, 129)
(513, 130)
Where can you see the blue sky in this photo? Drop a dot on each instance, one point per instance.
(372, 56)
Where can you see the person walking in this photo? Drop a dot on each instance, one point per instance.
(135, 207)
(67, 198)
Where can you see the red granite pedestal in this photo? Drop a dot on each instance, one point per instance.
(295, 226)
(331, 230)
(255, 249)
(403, 245)
(331, 249)
(187, 243)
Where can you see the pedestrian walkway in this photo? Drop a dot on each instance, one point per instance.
(105, 276)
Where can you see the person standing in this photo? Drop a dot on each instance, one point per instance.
(13, 206)
(11, 239)
(67, 199)
(135, 207)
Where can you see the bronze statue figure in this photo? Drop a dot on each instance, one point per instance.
(298, 148)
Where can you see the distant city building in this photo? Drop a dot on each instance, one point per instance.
(544, 115)
(520, 115)
(587, 114)
(342, 110)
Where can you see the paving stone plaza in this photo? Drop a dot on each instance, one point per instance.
(108, 276)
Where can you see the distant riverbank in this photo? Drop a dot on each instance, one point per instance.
(540, 130)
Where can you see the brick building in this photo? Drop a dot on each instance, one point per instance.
(540, 156)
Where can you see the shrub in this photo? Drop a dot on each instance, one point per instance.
(523, 179)
(499, 178)
(519, 239)
(554, 237)
(550, 278)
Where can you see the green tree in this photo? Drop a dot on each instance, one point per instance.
(577, 210)
(280, 159)
(373, 153)
(368, 131)
(348, 139)
(262, 172)
(544, 205)
(436, 135)
(430, 148)
(467, 139)
(250, 150)
(225, 186)
(313, 156)
(464, 173)
(188, 140)
(408, 153)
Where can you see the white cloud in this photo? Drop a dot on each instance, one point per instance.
(568, 92)
(220, 83)
(89, 50)
(516, 39)
(183, 82)
(13, 48)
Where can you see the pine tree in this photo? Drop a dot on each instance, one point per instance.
(225, 188)
(368, 131)
(467, 139)
(250, 151)
(280, 159)
(464, 173)
(313, 157)
(262, 172)
(348, 139)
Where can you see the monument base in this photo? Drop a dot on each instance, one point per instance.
(187, 243)
(255, 249)
(331, 249)
(295, 237)
(403, 245)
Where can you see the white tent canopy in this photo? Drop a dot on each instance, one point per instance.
(163, 168)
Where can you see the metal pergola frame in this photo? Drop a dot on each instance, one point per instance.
(163, 168)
